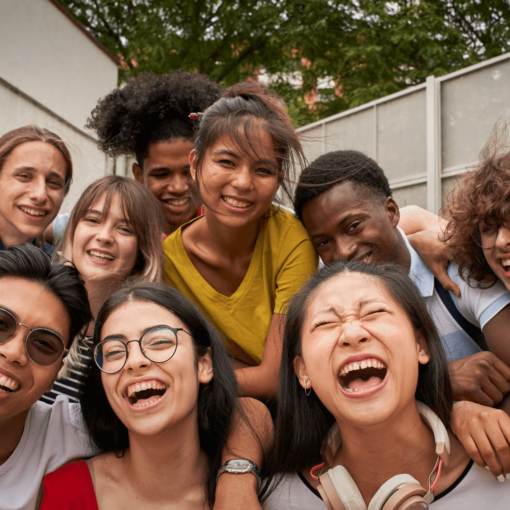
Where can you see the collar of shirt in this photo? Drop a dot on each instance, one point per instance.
(418, 272)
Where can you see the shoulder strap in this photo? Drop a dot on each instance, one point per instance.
(447, 300)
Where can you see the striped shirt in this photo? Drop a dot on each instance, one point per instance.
(70, 383)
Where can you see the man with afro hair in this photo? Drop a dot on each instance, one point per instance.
(149, 118)
(346, 204)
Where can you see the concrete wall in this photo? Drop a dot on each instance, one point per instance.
(52, 74)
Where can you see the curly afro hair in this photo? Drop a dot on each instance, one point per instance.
(151, 108)
(337, 167)
(483, 196)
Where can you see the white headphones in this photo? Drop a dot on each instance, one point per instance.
(339, 491)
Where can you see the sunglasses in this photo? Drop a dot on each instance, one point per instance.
(43, 346)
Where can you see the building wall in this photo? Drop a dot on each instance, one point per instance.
(52, 74)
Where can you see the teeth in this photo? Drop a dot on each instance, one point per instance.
(33, 212)
(178, 202)
(236, 203)
(369, 363)
(100, 255)
(505, 262)
(148, 403)
(152, 385)
(7, 382)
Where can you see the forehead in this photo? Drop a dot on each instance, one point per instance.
(133, 317)
(34, 305)
(111, 201)
(345, 292)
(39, 156)
(169, 154)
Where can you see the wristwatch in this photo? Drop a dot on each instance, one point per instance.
(240, 467)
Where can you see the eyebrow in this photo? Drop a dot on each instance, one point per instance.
(120, 336)
(226, 152)
(156, 168)
(361, 305)
(32, 169)
(341, 222)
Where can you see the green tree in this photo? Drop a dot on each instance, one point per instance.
(362, 49)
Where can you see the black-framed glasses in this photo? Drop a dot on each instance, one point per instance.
(158, 344)
(43, 346)
(485, 235)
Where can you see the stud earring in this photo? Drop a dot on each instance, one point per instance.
(307, 390)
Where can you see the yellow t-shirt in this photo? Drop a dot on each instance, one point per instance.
(283, 259)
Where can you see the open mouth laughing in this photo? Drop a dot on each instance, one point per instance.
(145, 393)
(101, 256)
(236, 203)
(177, 203)
(362, 376)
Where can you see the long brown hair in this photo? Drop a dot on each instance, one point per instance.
(12, 139)
(139, 206)
(242, 109)
(483, 196)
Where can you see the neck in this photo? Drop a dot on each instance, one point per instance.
(230, 241)
(402, 257)
(150, 462)
(12, 237)
(98, 292)
(372, 455)
(11, 430)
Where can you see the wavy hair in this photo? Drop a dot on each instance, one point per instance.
(483, 196)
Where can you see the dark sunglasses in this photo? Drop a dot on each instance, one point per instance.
(43, 346)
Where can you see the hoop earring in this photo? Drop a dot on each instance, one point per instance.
(307, 390)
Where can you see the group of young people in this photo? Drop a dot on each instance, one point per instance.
(182, 313)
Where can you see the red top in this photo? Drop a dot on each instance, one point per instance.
(69, 487)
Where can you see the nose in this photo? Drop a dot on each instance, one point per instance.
(136, 359)
(178, 184)
(14, 349)
(38, 192)
(503, 239)
(242, 178)
(105, 235)
(344, 249)
(353, 335)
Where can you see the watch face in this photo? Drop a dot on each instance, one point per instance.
(239, 464)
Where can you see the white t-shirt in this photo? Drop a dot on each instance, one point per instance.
(477, 306)
(53, 435)
(475, 489)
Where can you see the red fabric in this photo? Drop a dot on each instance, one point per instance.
(69, 488)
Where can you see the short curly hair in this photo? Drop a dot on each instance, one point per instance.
(483, 196)
(151, 108)
(337, 167)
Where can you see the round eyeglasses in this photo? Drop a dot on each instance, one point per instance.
(43, 346)
(485, 235)
(158, 344)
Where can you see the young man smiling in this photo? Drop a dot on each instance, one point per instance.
(349, 212)
(35, 174)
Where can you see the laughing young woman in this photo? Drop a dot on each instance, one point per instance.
(245, 257)
(362, 354)
(159, 397)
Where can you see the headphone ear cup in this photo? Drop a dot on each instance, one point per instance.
(390, 488)
(346, 489)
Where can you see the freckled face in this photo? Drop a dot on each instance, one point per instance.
(36, 307)
(237, 185)
(32, 189)
(346, 223)
(174, 383)
(359, 351)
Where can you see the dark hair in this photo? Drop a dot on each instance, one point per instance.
(337, 167)
(216, 399)
(25, 134)
(140, 208)
(244, 107)
(151, 108)
(483, 196)
(63, 280)
(304, 421)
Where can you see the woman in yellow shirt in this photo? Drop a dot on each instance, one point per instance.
(243, 260)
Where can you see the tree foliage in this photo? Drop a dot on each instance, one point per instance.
(354, 50)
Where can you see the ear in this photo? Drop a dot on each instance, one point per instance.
(422, 348)
(392, 210)
(138, 173)
(300, 370)
(205, 368)
(193, 164)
